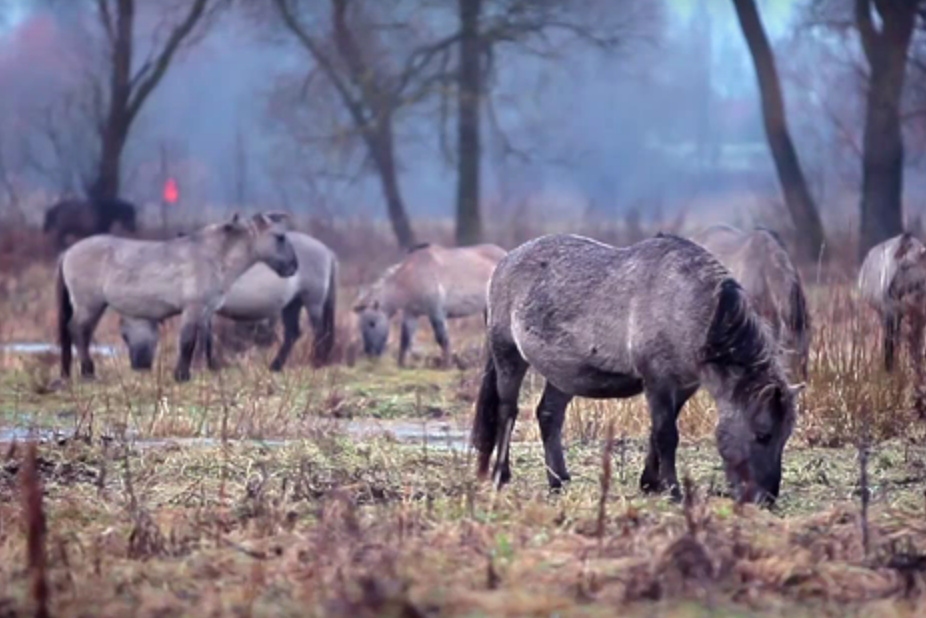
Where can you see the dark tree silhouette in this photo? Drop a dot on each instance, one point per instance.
(883, 150)
(372, 91)
(469, 99)
(800, 204)
(127, 88)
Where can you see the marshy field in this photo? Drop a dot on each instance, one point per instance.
(351, 490)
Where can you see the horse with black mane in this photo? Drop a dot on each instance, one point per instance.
(85, 217)
(662, 317)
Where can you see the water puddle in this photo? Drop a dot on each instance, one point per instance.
(437, 435)
(39, 347)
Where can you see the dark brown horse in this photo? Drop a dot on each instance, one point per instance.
(85, 217)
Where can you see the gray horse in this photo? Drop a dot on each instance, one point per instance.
(259, 294)
(892, 281)
(760, 262)
(661, 317)
(154, 280)
(437, 282)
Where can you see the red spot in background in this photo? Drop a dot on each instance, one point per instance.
(171, 192)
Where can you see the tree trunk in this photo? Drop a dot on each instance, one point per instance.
(115, 129)
(380, 144)
(800, 204)
(109, 173)
(883, 149)
(469, 97)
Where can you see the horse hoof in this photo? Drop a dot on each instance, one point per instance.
(276, 367)
(181, 376)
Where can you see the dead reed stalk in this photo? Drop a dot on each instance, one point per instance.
(35, 532)
(605, 480)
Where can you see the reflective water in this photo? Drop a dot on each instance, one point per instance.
(437, 435)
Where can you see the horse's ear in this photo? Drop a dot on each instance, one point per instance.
(261, 221)
(280, 217)
(233, 223)
(797, 389)
(359, 306)
(906, 241)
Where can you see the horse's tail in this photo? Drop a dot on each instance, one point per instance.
(485, 422)
(324, 339)
(65, 313)
(799, 323)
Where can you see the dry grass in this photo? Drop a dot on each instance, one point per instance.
(329, 522)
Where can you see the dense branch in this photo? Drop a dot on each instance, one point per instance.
(177, 37)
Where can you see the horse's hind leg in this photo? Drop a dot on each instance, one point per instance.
(659, 470)
(439, 326)
(510, 369)
(192, 320)
(291, 333)
(83, 324)
(551, 412)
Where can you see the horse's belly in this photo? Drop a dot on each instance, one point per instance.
(252, 298)
(583, 379)
(148, 307)
(594, 383)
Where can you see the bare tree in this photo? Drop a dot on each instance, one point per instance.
(469, 98)
(538, 27)
(800, 203)
(371, 89)
(883, 150)
(126, 85)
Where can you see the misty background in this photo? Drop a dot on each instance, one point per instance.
(671, 122)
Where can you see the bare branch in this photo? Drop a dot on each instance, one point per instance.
(148, 84)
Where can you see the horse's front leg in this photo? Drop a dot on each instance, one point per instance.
(439, 326)
(409, 327)
(192, 320)
(664, 405)
(291, 333)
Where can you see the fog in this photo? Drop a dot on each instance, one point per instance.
(667, 124)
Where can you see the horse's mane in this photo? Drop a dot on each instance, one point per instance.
(739, 340)
(774, 234)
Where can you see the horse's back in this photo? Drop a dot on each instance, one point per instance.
(452, 280)
(572, 304)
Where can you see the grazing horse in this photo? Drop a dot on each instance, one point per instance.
(82, 218)
(437, 282)
(892, 281)
(154, 280)
(661, 317)
(261, 294)
(760, 263)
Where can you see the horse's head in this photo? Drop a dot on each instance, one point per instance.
(141, 338)
(751, 441)
(267, 239)
(373, 322)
